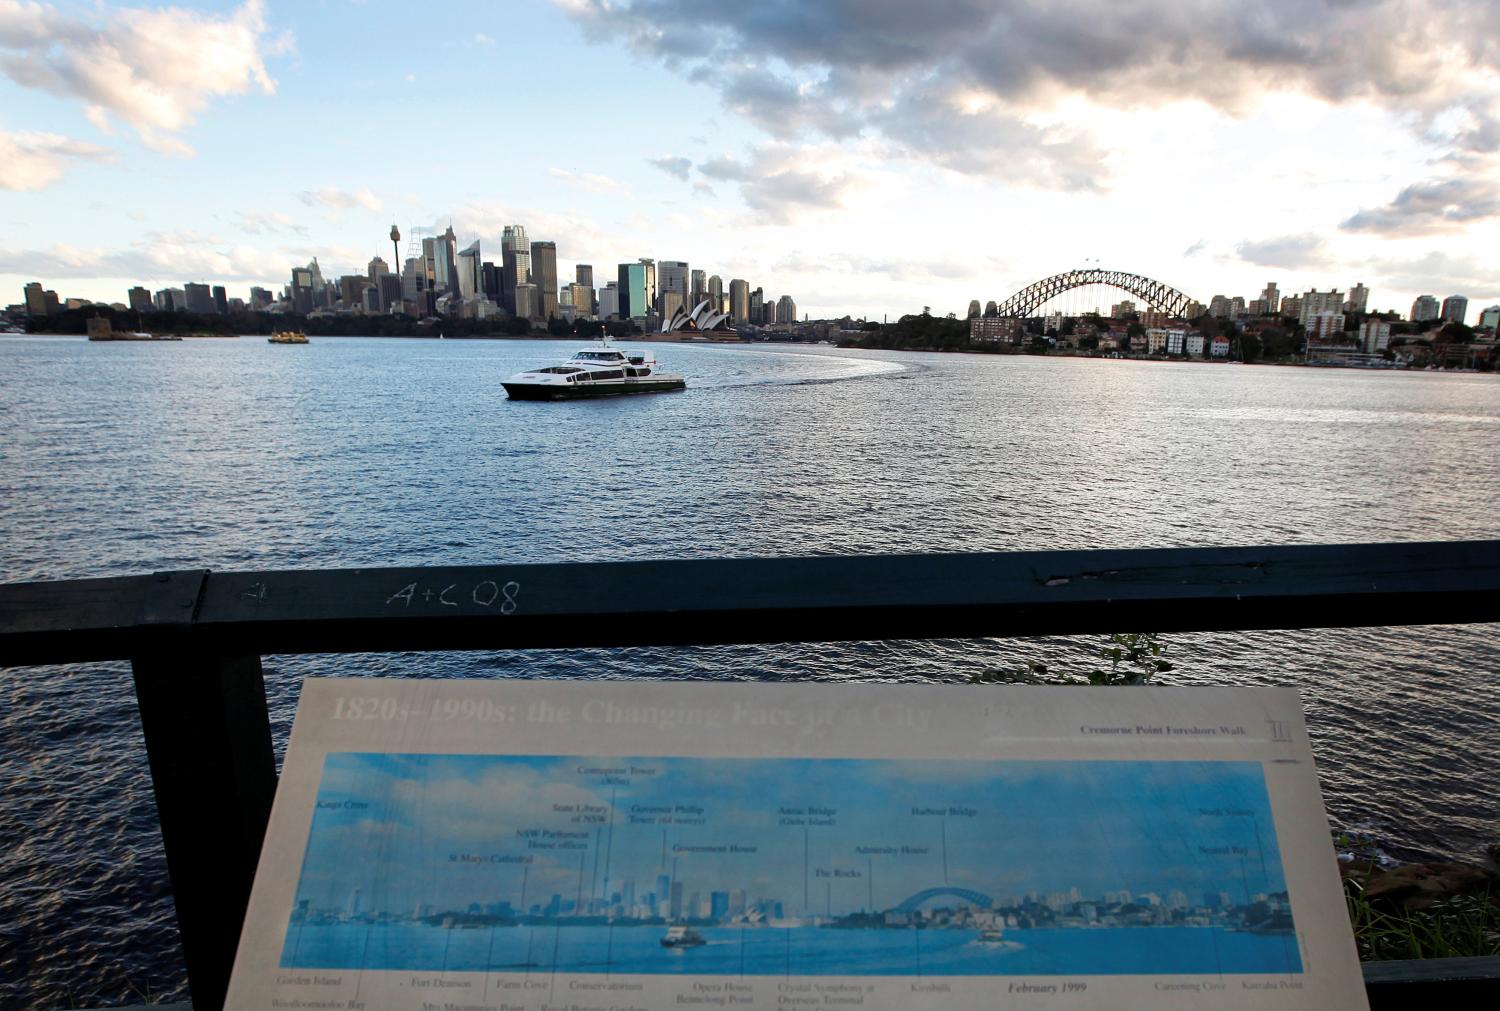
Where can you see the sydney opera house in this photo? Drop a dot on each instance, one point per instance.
(701, 320)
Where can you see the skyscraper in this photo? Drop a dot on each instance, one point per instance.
(36, 300)
(1359, 298)
(673, 276)
(544, 276)
(739, 300)
(1490, 317)
(1270, 298)
(650, 266)
(376, 268)
(470, 272)
(1455, 308)
(583, 274)
(260, 298)
(1424, 308)
(715, 288)
(699, 286)
(140, 299)
(221, 300)
(609, 300)
(199, 298)
(1315, 302)
(515, 265)
(786, 310)
(757, 299)
(632, 290)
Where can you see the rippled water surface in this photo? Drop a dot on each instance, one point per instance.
(236, 454)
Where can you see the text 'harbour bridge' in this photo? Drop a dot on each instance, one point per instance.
(1154, 293)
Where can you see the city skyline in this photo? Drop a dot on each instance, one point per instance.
(862, 173)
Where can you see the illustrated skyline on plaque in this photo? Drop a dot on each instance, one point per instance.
(784, 866)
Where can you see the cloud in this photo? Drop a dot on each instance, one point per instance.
(1290, 252)
(158, 258)
(265, 222)
(1432, 207)
(984, 86)
(30, 161)
(780, 181)
(155, 69)
(330, 196)
(591, 182)
(1441, 273)
(673, 165)
(481, 39)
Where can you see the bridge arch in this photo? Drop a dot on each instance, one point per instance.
(1154, 293)
(913, 903)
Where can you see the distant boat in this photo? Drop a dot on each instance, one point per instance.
(288, 337)
(683, 937)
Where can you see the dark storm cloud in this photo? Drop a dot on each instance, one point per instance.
(1431, 207)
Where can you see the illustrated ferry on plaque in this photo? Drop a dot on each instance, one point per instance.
(683, 937)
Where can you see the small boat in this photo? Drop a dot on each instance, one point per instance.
(683, 937)
(600, 371)
(991, 937)
(288, 337)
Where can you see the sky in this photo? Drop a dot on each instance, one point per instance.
(428, 829)
(867, 157)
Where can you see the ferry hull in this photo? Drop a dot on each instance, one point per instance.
(579, 391)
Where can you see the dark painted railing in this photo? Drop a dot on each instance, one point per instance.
(195, 638)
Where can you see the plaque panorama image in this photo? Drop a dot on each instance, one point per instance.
(851, 867)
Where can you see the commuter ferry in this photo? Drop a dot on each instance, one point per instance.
(599, 371)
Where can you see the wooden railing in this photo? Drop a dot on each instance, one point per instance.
(195, 639)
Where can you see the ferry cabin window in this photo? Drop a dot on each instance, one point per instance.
(616, 374)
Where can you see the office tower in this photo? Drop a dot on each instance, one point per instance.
(756, 313)
(1291, 306)
(515, 265)
(673, 276)
(609, 300)
(389, 289)
(715, 290)
(1375, 335)
(445, 262)
(413, 279)
(1359, 298)
(139, 298)
(302, 290)
(786, 310)
(698, 282)
(199, 298)
(260, 298)
(352, 290)
(1424, 308)
(470, 272)
(739, 300)
(583, 274)
(221, 300)
(632, 290)
(376, 268)
(668, 303)
(544, 276)
(650, 266)
(36, 299)
(1490, 317)
(528, 305)
(583, 298)
(1270, 298)
(489, 281)
(1455, 308)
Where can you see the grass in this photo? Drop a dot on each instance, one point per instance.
(1455, 927)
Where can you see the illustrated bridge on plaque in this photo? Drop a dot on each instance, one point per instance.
(1156, 294)
(916, 901)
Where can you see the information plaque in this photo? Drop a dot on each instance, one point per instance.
(608, 846)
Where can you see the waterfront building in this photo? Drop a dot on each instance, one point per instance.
(139, 298)
(673, 276)
(1375, 336)
(1220, 347)
(786, 310)
(995, 330)
(1054, 323)
(609, 300)
(632, 290)
(1156, 341)
(198, 298)
(221, 300)
(739, 300)
(36, 299)
(528, 303)
(1455, 308)
(1315, 302)
(1424, 308)
(1194, 345)
(470, 272)
(544, 276)
(1324, 327)
(1359, 299)
(1176, 341)
(1490, 318)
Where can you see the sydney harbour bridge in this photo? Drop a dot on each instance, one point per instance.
(1155, 294)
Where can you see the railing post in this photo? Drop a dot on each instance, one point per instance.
(208, 738)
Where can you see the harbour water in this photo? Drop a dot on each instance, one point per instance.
(234, 454)
(803, 951)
